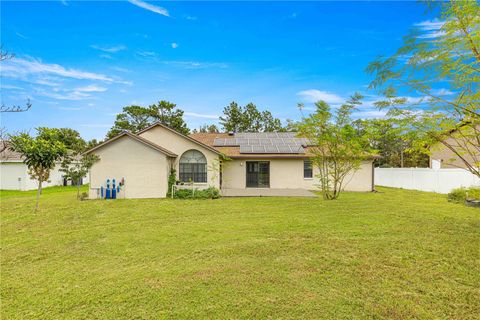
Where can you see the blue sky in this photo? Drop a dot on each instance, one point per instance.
(81, 62)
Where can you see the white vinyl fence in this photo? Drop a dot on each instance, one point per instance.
(425, 179)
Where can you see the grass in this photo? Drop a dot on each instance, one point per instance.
(396, 254)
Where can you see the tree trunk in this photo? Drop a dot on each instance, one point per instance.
(39, 191)
(78, 189)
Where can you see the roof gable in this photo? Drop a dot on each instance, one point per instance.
(137, 138)
(189, 138)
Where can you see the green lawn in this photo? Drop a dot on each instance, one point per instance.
(396, 254)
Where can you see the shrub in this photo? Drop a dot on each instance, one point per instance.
(210, 193)
(459, 195)
(171, 181)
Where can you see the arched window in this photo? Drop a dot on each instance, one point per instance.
(193, 167)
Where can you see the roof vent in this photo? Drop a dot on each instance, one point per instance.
(231, 133)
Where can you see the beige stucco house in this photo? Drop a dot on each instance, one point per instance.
(254, 160)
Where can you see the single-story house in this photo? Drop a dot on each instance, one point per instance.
(143, 162)
(14, 174)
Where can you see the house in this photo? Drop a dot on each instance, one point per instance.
(462, 140)
(14, 174)
(142, 162)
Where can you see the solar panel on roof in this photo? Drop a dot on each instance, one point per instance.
(245, 149)
(258, 149)
(271, 149)
(265, 142)
(284, 149)
(231, 142)
(219, 142)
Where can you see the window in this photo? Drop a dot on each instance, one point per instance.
(193, 167)
(307, 169)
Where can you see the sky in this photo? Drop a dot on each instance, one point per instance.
(81, 62)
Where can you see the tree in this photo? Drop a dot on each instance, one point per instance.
(248, 119)
(233, 119)
(207, 129)
(92, 143)
(133, 119)
(40, 154)
(338, 149)
(69, 137)
(394, 142)
(443, 68)
(168, 114)
(136, 118)
(76, 166)
(74, 163)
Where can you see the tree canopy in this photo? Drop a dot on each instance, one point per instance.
(442, 68)
(393, 141)
(135, 118)
(248, 119)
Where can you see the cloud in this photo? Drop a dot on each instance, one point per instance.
(187, 17)
(313, 95)
(111, 49)
(120, 69)
(146, 53)
(150, 7)
(152, 56)
(6, 86)
(105, 56)
(64, 2)
(21, 35)
(195, 64)
(431, 28)
(91, 88)
(442, 92)
(21, 68)
(200, 115)
(174, 45)
(61, 94)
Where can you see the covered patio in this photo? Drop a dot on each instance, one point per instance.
(267, 192)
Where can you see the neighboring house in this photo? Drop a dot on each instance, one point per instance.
(462, 141)
(256, 160)
(14, 174)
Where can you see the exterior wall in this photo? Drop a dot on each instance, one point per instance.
(425, 179)
(448, 159)
(178, 145)
(14, 176)
(144, 169)
(288, 174)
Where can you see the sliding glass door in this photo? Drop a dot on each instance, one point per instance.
(258, 174)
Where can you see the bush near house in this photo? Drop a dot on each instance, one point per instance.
(459, 195)
(210, 193)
